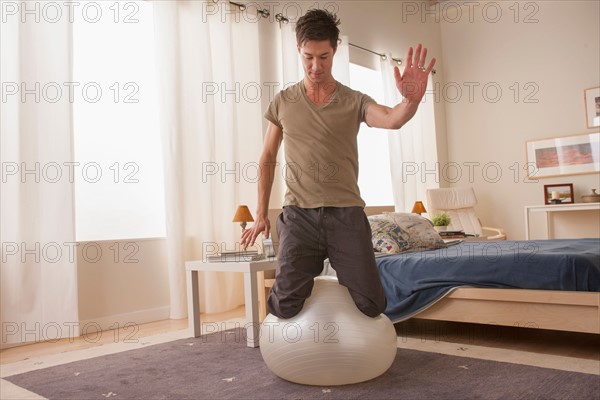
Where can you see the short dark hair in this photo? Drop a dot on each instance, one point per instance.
(318, 25)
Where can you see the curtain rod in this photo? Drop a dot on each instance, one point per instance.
(263, 13)
(282, 18)
(383, 56)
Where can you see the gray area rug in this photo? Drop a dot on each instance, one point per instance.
(220, 366)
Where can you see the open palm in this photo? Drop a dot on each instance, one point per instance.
(413, 83)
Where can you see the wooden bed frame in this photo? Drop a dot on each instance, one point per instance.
(542, 309)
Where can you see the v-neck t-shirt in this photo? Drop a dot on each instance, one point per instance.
(320, 145)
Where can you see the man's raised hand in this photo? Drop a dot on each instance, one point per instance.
(413, 83)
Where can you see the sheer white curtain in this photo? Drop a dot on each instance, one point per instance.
(38, 273)
(413, 150)
(291, 67)
(211, 127)
(341, 62)
(289, 72)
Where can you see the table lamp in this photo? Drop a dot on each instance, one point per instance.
(418, 208)
(242, 215)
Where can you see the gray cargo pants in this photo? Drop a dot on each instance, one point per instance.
(307, 236)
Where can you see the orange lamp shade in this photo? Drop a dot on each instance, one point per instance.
(243, 215)
(418, 208)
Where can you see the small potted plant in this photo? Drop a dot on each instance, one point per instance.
(441, 221)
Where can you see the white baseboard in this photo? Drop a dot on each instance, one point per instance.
(121, 320)
(129, 321)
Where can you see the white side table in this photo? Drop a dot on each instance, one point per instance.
(548, 209)
(250, 270)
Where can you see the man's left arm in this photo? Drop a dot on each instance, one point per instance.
(411, 85)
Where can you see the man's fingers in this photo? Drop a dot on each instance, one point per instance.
(423, 58)
(430, 67)
(409, 60)
(418, 55)
(249, 235)
(254, 236)
(397, 75)
(246, 235)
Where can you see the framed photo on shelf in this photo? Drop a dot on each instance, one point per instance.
(592, 106)
(565, 155)
(561, 193)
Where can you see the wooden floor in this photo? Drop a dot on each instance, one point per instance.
(20, 353)
(420, 334)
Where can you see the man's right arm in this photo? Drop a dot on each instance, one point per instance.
(267, 163)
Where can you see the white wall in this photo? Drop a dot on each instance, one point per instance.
(558, 56)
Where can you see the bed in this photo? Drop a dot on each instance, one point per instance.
(481, 282)
(573, 305)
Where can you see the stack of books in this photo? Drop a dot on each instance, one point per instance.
(235, 256)
(452, 234)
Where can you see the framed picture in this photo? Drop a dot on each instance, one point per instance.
(592, 106)
(565, 155)
(558, 194)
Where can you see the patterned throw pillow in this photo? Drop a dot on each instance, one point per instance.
(388, 237)
(421, 234)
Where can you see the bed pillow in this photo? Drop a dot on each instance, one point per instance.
(388, 237)
(421, 234)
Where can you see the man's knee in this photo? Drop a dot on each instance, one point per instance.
(286, 310)
(371, 308)
(284, 314)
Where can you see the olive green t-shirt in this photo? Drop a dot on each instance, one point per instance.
(320, 145)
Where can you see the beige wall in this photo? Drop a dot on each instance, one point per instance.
(558, 57)
(122, 281)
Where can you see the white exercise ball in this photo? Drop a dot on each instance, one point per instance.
(330, 342)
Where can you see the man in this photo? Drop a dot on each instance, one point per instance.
(318, 119)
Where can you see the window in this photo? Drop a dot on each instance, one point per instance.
(119, 186)
(375, 179)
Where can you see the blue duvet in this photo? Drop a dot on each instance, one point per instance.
(413, 281)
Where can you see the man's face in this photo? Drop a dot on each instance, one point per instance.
(317, 60)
